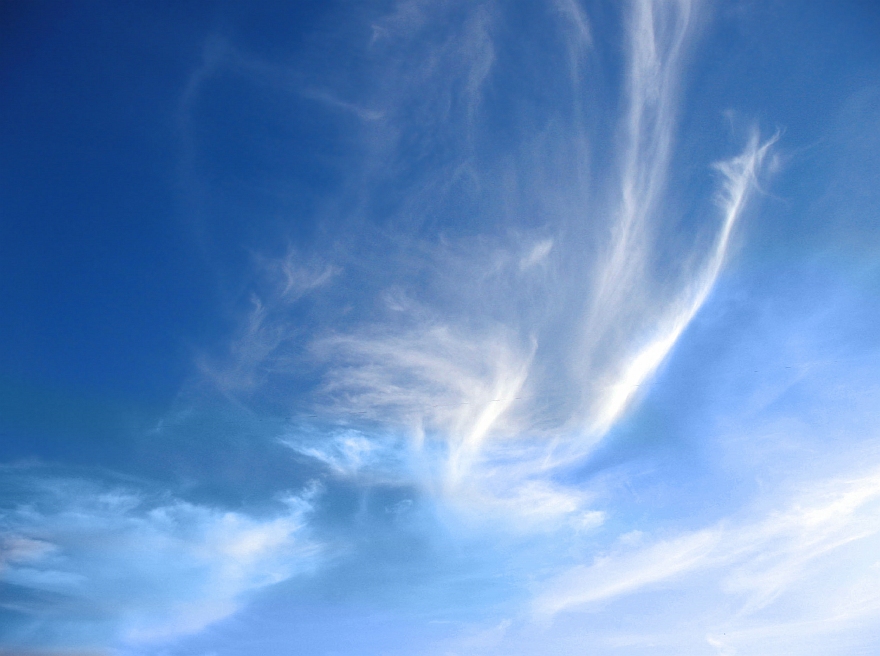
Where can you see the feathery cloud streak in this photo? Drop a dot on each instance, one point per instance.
(761, 560)
(127, 567)
(537, 340)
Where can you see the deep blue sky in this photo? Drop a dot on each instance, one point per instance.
(439, 327)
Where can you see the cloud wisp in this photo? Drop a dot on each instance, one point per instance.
(798, 576)
(739, 180)
(125, 567)
(759, 561)
(533, 342)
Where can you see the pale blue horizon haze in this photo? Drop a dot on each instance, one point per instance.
(440, 328)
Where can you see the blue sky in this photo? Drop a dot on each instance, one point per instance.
(439, 328)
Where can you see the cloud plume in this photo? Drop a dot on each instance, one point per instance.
(535, 341)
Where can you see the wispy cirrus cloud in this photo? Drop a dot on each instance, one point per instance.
(797, 575)
(797, 578)
(498, 351)
(546, 334)
(115, 565)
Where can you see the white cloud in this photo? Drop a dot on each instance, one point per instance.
(740, 174)
(756, 561)
(536, 255)
(610, 577)
(502, 356)
(151, 568)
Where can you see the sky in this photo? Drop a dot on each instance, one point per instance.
(439, 328)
